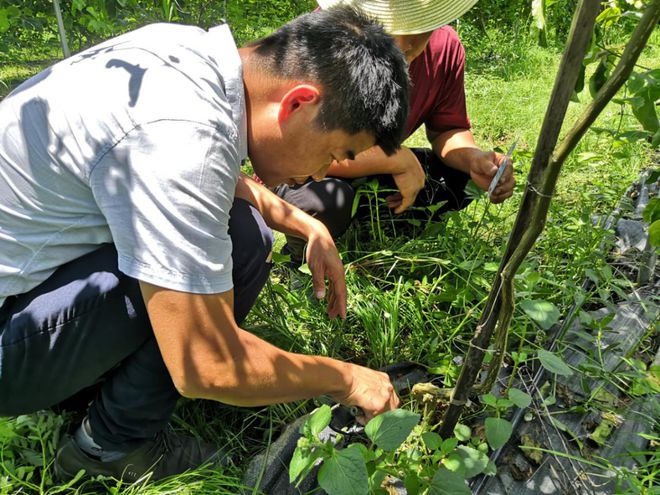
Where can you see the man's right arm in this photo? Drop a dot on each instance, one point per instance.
(208, 356)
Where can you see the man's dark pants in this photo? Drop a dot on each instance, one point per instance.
(88, 320)
(331, 200)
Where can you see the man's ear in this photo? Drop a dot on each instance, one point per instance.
(301, 97)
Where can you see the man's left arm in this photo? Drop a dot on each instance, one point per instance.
(322, 256)
(457, 149)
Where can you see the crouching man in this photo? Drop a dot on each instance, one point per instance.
(131, 248)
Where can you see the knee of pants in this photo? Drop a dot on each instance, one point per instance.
(252, 240)
(329, 200)
(337, 197)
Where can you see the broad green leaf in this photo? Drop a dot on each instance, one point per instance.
(432, 440)
(319, 420)
(446, 482)
(589, 156)
(390, 429)
(302, 461)
(519, 398)
(462, 432)
(498, 432)
(345, 473)
(489, 400)
(653, 176)
(4, 21)
(652, 211)
(609, 16)
(453, 462)
(491, 469)
(655, 139)
(598, 78)
(412, 484)
(473, 461)
(554, 363)
(643, 108)
(542, 312)
(448, 445)
(279, 258)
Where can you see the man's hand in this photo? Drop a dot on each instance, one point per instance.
(409, 181)
(324, 262)
(458, 150)
(483, 167)
(370, 390)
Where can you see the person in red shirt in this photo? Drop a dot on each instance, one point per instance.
(422, 176)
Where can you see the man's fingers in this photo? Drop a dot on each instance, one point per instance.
(338, 287)
(318, 281)
(406, 203)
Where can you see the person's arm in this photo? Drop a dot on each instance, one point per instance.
(407, 172)
(208, 356)
(457, 149)
(322, 256)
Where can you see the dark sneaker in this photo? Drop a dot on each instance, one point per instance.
(165, 455)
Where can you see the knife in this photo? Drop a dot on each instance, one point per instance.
(500, 171)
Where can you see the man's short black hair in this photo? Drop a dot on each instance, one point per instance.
(362, 73)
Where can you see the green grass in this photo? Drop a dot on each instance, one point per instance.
(410, 297)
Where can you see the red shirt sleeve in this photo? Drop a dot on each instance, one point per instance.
(437, 85)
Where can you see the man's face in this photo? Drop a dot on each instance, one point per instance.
(303, 150)
(412, 45)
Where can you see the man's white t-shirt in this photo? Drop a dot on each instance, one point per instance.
(136, 141)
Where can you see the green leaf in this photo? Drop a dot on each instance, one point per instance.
(446, 482)
(598, 78)
(412, 484)
(462, 432)
(609, 16)
(432, 440)
(390, 429)
(652, 211)
(519, 398)
(319, 420)
(554, 363)
(4, 21)
(279, 258)
(491, 469)
(345, 473)
(448, 445)
(542, 312)
(653, 177)
(302, 461)
(654, 233)
(643, 107)
(473, 461)
(453, 462)
(498, 432)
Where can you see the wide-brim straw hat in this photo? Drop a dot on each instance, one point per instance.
(408, 16)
